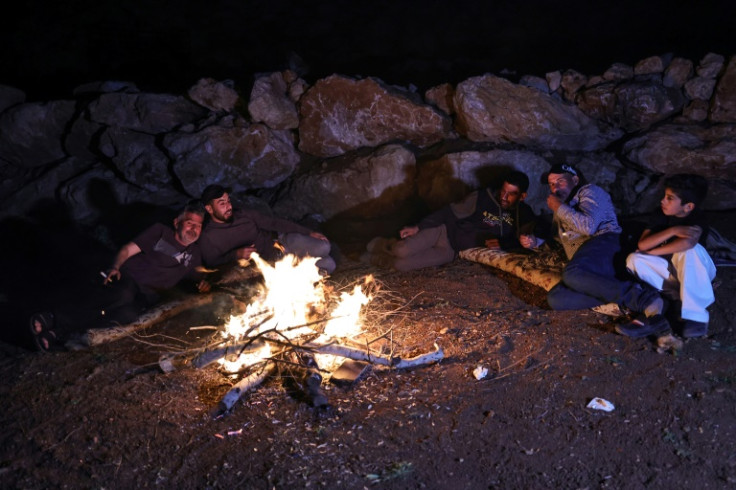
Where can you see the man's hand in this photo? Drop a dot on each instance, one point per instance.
(318, 235)
(245, 252)
(203, 286)
(553, 202)
(528, 241)
(112, 273)
(493, 244)
(408, 231)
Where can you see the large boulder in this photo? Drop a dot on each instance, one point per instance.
(452, 176)
(340, 114)
(137, 157)
(677, 73)
(632, 106)
(271, 104)
(492, 109)
(231, 152)
(359, 185)
(97, 194)
(723, 107)
(25, 190)
(81, 139)
(215, 96)
(148, 113)
(670, 149)
(31, 134)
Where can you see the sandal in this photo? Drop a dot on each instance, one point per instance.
(42, 330)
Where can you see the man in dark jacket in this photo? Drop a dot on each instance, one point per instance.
(485, 218)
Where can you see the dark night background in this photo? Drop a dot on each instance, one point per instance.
(48, 48)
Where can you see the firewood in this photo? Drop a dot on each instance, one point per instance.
(209, 356)
(333, 349)
(311, 381)
(96, 336)
(245, 384)
(361, 355)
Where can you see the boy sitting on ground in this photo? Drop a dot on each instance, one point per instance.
(672, 257)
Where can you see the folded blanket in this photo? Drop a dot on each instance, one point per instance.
(542, 269)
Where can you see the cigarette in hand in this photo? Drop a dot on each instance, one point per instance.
(103, 274)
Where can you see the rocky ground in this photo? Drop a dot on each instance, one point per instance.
(108, 417)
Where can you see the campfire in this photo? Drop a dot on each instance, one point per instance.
(297, 328)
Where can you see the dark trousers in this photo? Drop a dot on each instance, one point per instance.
(116, 303)
(589, 280)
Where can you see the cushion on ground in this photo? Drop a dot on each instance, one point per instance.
(542, 269)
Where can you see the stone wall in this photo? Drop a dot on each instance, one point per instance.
(359, 149)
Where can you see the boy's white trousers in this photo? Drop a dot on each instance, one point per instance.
(687, 274)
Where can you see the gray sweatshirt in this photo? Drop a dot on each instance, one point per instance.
(589, 213)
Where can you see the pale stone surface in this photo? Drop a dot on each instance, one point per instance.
(441, 96)
(644, 104)
(214, 95)
(631, 106)
(340, 114)
(357, 186)
(618, 72)
(652, 64)
(599, 102)
(232, 151)
(669, 149)
(271, 104)
(492, 109)
(554, 80)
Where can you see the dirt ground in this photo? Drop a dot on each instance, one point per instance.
(108, 417)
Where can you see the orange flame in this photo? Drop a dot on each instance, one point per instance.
(292, 302)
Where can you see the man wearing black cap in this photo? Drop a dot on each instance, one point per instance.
(589, 232)
(232, 234)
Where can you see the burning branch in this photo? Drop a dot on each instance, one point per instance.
(299, 325)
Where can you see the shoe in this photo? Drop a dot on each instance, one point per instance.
(656, 307)
(42, 330)
(692, 329)
(643, 326)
